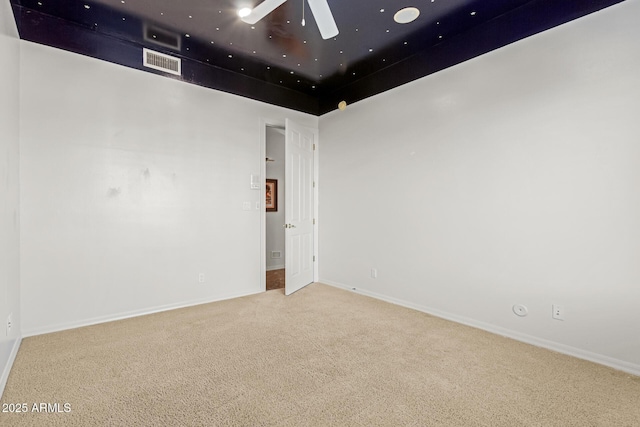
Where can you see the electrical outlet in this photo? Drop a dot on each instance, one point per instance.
(9, 324)
(557, 312)
(201, 278)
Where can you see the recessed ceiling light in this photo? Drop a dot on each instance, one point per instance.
(230, 56)
(245, 11)
(473, 13)
(381, 10)
(86, 6)
(406, 15)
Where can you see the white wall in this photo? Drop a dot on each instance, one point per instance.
(9, 190)
(133, 184)
(275, 220)
(511, 178)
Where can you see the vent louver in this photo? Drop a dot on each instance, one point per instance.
(162, 62)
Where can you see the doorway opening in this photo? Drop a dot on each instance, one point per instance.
(275, 207)
(296, 194)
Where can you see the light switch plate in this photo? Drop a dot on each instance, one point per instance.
(255, 182)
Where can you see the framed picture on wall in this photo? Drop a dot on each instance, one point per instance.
(271, 201)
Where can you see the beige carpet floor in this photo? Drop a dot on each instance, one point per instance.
(320, 357)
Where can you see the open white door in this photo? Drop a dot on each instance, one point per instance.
(299, 146)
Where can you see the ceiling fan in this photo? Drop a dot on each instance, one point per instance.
(319, 9)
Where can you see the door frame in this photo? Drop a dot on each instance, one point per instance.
(263, 123)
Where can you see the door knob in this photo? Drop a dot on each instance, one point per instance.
(289, 226)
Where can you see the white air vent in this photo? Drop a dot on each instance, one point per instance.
(162, 62)
(276, 254)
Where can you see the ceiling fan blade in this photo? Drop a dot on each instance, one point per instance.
(262, 10)
(324, 18)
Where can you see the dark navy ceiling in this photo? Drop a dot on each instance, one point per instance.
(278, 60)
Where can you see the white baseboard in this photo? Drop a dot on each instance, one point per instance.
(7, 368)
(126, 315)
(620, 365)
(275, 267)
